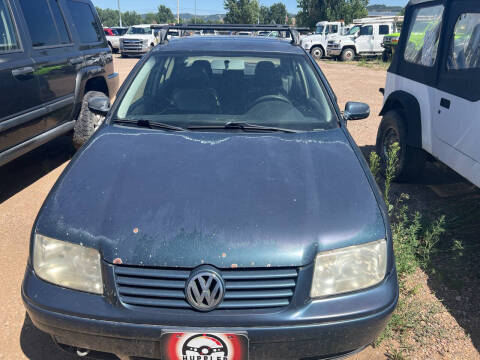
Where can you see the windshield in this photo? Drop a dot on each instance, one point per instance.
(320, 29)
(139, 30)
(353, 30)
(214, 89)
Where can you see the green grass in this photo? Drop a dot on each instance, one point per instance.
(414, 241)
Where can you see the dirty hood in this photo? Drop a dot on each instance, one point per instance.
(154, 198)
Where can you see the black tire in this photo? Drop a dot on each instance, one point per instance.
(317, 52)
(411, 161)
(347, 54)
(87, 122)
(123, 55)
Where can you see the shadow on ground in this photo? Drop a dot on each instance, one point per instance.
(37, 345)
(454, 276)
(24, 171)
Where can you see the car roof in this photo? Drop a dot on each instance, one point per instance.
(231, 43)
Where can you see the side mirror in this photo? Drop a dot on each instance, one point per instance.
(99, 105)
(356, 111)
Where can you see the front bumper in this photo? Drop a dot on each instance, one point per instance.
(333, 51)
(318, 329)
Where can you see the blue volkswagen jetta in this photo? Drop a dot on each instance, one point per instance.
(222, 211)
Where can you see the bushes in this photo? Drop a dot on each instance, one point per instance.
(414, 241)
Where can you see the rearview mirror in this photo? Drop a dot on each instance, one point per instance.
(356, 111)
(99, 105)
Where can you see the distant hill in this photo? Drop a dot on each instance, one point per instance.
(383, 9)
(213, 17)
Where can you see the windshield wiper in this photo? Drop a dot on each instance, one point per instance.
(242, 126)
(149, 124)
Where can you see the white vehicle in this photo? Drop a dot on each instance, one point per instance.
(138, 40)
(316, 44)
(113, 35)
(432, 93)
(362, 40)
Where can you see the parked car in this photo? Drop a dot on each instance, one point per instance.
(316, 44)
(389, 44)
(432, 97)
(138, 40)
(361, 41)
(222, 210)
(113, 38)
(53, 58)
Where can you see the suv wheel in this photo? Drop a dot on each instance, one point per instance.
(411, 161)
(317, 52)
(348, 54)
(87, 122)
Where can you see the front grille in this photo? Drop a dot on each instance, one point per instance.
(244, 289)
(132, 45)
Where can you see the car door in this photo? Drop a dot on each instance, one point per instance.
(383, 30)
(457, 99)
(364, 41)
(54, 55)
(20, 101)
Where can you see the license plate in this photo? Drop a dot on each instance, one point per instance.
(204, 346)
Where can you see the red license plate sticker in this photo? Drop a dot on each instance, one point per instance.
(204, 346)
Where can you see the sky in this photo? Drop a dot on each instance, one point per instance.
(204, 7)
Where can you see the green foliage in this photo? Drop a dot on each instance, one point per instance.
(241, 11)
(108, 17)
(275, 14)
(164, 15)
(313, 11)
(413, 243)
(130, 18)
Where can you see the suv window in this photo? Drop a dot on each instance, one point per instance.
(85, 22)
(8, 35)
(366, 30)
(45, 22)
(465, 48)
(384, 30)
(424, 35)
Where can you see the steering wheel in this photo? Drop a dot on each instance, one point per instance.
(277, 97)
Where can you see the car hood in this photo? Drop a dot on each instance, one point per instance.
(156, 198)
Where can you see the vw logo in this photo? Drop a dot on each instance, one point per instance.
(205, 290)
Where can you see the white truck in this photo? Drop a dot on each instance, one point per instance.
(138, 40)
(316, 44)
(365, 38)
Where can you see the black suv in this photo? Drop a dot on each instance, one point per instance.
(53, 58)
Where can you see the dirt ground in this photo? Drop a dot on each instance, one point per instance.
(452, 289)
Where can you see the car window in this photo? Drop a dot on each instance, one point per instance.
(204, 89)
(139, 30)
(384, 30)
(465, 48)
(85, 22)
(424, 35)
(366, 30)
(59, 22)
(45, 22)
(8, 35)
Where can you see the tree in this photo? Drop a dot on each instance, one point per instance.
(264, 15)
(108, 17)
(165, 15)
(130, 18)
(241, 11)
(278, 13)
(150, 18)
(313, 11)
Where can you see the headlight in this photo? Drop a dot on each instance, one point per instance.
(66, 264)
(349, 269)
